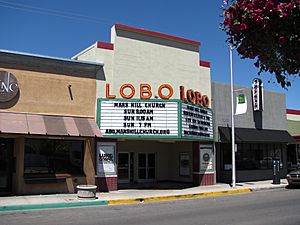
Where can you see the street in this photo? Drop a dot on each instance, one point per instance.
(276, 207)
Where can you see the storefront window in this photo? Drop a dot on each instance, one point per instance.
(252, 156)
(49, 156)
(226, 156)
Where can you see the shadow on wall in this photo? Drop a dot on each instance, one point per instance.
(258, 120)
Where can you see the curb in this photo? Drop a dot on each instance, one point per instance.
(52, 205)
(269, 188)
(176, 197)
(126, 201)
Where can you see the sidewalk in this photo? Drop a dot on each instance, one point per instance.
(130, 196)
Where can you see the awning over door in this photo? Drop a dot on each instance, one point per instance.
(24, 123)
(247, 135)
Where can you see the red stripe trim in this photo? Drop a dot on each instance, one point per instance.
(297, 138)
(105, 45)
(157, 34)
(293, 111)
(204, 63)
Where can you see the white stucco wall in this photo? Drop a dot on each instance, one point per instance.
(138, 59)
(293, 117)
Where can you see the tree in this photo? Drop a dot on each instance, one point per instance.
(267, 31)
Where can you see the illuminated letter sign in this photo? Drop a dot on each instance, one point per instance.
(194, 97)
(191, 96)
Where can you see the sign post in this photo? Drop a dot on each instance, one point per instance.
(232, 122)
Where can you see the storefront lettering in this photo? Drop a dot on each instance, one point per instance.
(127, 91)
(106, 157)
(196, 121)
(12, 87)
(194, 97)
(145, 91)
(139, 117)
(137, 131)
(8, 86)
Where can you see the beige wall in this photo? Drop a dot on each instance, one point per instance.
(167, 157)
(94, 54)
(135, 61)
(47, 93)
(68, 186)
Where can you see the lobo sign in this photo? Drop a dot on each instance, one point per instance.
(8, 86)
(189, 95)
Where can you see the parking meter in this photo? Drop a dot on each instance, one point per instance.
(276, 171)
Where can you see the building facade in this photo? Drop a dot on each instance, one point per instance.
(138, 111)
(293, 123)
(47, 123)
(153, 110)
(260, 133)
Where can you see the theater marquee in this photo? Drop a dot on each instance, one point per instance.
(120, 118)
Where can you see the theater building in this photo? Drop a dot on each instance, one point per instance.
(261, 134)
(293, 123)
(47, 123)
(153, 110)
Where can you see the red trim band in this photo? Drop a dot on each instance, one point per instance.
(293, 111)
(157, 34)
(204, 63)
(297, 138)
(105, 45)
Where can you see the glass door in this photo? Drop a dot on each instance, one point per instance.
(123, 167)
(146, 166)
(6, 162)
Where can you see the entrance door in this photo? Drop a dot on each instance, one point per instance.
(123, 167)
(146, 166)
(6, 162)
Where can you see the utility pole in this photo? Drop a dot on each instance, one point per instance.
(232, 121)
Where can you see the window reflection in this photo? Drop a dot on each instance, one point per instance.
(50, 156)
(252, 156)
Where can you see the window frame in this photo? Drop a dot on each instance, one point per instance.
(253, 150)
(54, 144)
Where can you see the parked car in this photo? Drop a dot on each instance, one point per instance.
(293, 177)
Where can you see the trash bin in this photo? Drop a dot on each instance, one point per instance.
(86, 191)
(276, 171)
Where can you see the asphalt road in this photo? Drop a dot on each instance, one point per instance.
(276, 207)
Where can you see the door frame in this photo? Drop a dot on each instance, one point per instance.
(138, 166)
(10, 164)
(124, 181)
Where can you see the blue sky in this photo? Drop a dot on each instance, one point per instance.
(63, 28)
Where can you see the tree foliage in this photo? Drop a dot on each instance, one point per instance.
(267, 31)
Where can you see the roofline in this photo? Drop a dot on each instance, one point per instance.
(204, 63)
(105, 45)
(83, 51)
(50, 57)
(297, 137)
(245, 87)
(293, 111)
(157, 34)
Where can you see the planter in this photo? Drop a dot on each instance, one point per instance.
(86, 191)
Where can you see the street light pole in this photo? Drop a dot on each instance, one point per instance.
(232, 121)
